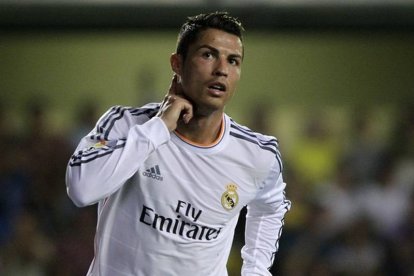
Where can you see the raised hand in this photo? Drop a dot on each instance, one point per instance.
(175, 107)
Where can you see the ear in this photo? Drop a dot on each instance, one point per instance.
(176, 62)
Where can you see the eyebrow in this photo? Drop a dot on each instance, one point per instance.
(216, 51)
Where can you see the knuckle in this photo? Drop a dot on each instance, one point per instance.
(170, 98)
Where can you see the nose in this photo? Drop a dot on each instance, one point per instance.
(221, 68)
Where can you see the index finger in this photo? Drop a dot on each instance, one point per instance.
(175, 87)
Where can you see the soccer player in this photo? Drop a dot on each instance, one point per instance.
(170, 178)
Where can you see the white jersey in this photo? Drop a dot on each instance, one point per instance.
(168, 206)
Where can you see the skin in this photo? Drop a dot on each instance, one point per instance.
(192, 106)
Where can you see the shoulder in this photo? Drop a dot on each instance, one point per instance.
(265, 147)
(119, 111)
(120, 118)
(248, 136)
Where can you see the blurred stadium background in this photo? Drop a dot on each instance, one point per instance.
(333, 80)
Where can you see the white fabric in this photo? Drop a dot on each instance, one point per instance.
(160, 206)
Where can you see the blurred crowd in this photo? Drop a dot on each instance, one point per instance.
(41, 231)
(352, 201)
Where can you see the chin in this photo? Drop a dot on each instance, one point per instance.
(206, 109)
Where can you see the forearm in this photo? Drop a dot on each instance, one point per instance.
(261, 241)
(264, 222)
(94, 173)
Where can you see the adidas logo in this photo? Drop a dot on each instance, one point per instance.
(153, 172)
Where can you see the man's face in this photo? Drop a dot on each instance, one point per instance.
(211, 70)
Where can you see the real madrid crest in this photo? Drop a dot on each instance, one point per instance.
(230, 198)
(100, 144)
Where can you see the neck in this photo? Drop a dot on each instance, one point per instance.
(202, 130)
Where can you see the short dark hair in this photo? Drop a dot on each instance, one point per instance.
(195, 24)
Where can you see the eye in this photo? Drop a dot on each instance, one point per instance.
(234, 61)
(207, 54)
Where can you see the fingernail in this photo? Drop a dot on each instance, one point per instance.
(185, 118)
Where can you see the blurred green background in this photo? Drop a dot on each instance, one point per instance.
(281, 68)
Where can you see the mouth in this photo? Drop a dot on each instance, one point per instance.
(218, 87)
